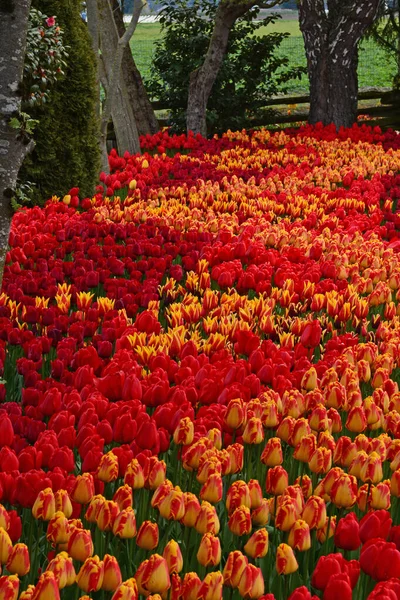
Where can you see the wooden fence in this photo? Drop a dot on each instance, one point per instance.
(377, 105)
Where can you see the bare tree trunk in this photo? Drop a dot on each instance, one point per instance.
(117, 105)
(331, 42)
(203, 78)
(146, 120)
(14, 16)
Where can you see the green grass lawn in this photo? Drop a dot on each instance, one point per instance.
(376, 69)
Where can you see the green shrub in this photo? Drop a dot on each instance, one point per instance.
(66, 152)
(251, 72)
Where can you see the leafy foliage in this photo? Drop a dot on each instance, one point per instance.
(386, 33)
(66, 137)
(251, 72)
(45, 58)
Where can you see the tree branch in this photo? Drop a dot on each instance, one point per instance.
(116, 69)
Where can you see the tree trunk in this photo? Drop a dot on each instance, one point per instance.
(203, 78)
(117, 105)
(146, 120)
(14, 15)
(331, 43)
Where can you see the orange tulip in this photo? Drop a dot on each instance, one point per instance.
(112, 578)
(107, 469)
(190, 586)
(192, 509)
(18, 562)
(260, 515)
(172, 506)
(155, 576)
(251, 584)
(44, 506)
(253, 432)
(238, 495)
(5, 546)
(58, 529)
(212, 489)
(277, 480)
(63, 568)
(108, 512)
(257, 544)
(147, 537)
(211, 587)
(209, 552)
(173, 555)
(91, 574)
(235, 413)
(134, 476)
(299, 536)
(9, 587)
(46, 587)
(272, 454)
(207, 520)
(63, 502)
(314, 512)
(128, 590)
(124, 525)
(80, 544)
(234, 567)
(286, 562)
(184, 432)
(83, 490)
(123, 497)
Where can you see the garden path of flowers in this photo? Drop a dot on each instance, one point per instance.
(200, 375)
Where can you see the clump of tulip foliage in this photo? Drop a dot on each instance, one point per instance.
(200, 375)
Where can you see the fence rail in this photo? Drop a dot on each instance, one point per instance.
(292, 109)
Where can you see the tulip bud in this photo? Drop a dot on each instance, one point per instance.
(260, 515)
(184, 432)
(356, 420)
(190, 586)
(211, 587)
(299, 536)
(286, 562)
(234, 567)
(314, 512)
(255, 493)
(123, 497)
(80, 544)
(344, 491)
(251, 584)
(209, 552)
(155, 577)
(63, 503)
(324, 532)
(57, 529)
(305, 448)
(371, 471)
(9, 587)
(18, 562)
(277, 481)
(112, 578)
(173, 555)
(108, 467)
(108, 512)
(235, 452)
(207, 520)
(215, 436)
(253, 432)
(380, 496)
(212, 489)
(286, 514)
(124, 525)
(172, 506)
(46, 587)
(192, 509)
(91, 574)
(93, 509)
(134, 476)
(26, 595)
(395, 484)
(321, 460)
(83, 490)
(272, 454)
(238, 495)
(257, 544)
(147, 537)
(235, 413)
(128, 590)
(240, 521)
(207, 467)
(5, 546)
(63, 568)
(4, 518)
(45, 505)
(155, 473)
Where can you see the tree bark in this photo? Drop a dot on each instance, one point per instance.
(14, 15)
(331, 43)
(117, 105)
(145, 117)
(202, 79)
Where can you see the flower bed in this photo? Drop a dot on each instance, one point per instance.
(200, 373)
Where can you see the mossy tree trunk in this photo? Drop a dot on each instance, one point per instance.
(14, 16)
